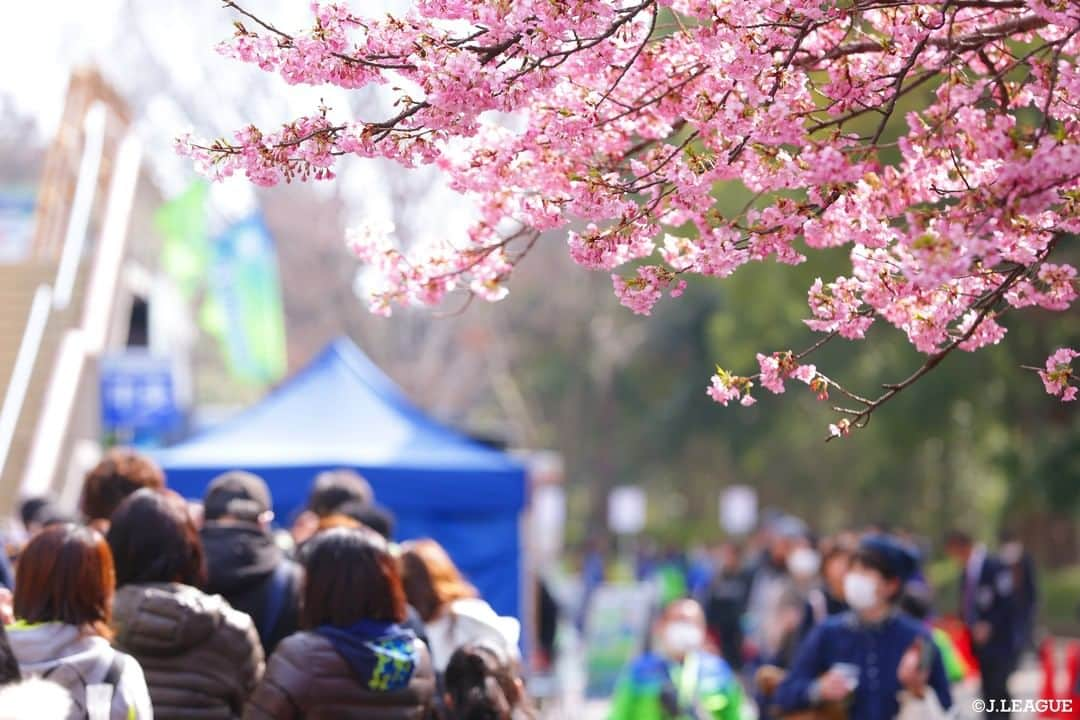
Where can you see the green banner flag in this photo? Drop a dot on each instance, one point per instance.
(244, 306)
(185, 249)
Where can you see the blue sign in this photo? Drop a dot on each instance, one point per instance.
(138, 397)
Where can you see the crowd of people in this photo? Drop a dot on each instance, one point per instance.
(846, 626)
(151, 606)
(147, 604)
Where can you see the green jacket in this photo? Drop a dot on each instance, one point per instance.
(703, 687)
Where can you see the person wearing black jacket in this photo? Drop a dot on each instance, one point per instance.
(988, 608)
(724, 600)
(244, 564)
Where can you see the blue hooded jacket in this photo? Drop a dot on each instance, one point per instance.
(383, 655)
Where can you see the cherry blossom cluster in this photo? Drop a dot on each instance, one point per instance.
(1058, 377)
(936, 143)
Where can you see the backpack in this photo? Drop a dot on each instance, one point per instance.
(277, 592)
(111, 680)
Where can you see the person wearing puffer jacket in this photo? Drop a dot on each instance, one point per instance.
(355, 660)
(201, 657)
(63, 599)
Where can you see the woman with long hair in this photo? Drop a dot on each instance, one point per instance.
(63, 606)
(451, 608)
(202, 658)
(354, 658)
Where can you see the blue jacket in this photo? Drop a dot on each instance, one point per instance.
(875, 649)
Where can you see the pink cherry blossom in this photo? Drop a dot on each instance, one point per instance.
(1059, 378)
(780, 366)
(641, 293)
(725, 387)
(949, 181)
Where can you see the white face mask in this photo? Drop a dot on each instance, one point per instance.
(803, 562)
(860, 591)
(681, 638)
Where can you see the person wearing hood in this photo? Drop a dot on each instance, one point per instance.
(63, 603)
(354, 658)
(202, 658)
(873, 659)
(244, 564)
(383, 525)
(679, 678)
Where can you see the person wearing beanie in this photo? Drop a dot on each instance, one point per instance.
(874, 657)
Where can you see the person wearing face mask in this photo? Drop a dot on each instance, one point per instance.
(772, 587)
(1019, 562)
(794, 615)
(874, 657)
(679, 679)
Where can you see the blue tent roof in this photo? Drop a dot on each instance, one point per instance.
(343, 411)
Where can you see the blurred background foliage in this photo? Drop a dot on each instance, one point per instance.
(976, 443)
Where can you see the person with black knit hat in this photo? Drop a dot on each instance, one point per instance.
(873, 657)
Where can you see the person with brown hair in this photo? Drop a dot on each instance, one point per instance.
(63, 605)
(120, 473)
(202, 658)
(481, 684)
(354, 659)
(451, 608)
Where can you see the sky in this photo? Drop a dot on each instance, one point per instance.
(159, 54)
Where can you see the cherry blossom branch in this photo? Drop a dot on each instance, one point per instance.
(627, 125)
(859, 418)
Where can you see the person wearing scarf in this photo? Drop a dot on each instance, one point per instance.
(355, 658)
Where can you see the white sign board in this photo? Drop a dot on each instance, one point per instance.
(548, 520)
(738, 509)
(627, 509)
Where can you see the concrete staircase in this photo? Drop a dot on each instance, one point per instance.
(18, 284)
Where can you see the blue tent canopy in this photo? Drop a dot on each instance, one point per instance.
(342, 411)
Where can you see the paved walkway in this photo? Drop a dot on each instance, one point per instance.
(1025, 684)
